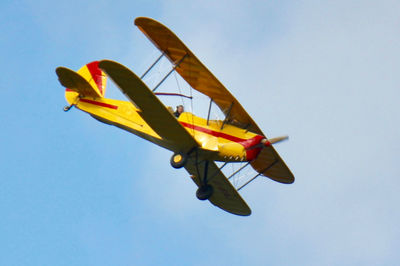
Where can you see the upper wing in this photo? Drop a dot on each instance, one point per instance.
(201, 79)
(151, 109)
(195, 73)
(225, 196)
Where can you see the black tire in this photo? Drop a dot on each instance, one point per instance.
(178, 160)
(204, 192)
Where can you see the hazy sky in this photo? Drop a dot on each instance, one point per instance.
(74, 191)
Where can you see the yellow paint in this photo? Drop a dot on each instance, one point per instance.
(84, 72)
(177, 158)
(127, 117)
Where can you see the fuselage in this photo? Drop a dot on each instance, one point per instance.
(227, 142)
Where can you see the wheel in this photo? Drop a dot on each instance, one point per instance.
(178, 160)
(204, 192)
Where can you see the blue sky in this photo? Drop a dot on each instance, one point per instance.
(74, 191)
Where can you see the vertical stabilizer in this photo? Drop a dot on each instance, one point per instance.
(95, 76)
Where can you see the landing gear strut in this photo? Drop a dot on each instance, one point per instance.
(205, 191)
(178, 160)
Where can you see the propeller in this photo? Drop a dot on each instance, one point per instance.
(269, 142)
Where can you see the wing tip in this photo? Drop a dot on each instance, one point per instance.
(105, 64)
(63, 74)
(105, 61)
(243, 210)
(239, 213)
(287, 181)
(140, 21)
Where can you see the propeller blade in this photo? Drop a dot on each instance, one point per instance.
(268, 142)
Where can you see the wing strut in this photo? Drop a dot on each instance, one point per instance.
(227, 115)
(155, 63)
(205, 173)
(209, 110)
(248, 182)
(240, 169)
(172, 94)
(169, 73)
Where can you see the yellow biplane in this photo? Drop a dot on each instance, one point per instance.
(197, 143)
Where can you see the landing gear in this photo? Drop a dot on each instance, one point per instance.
(178, 160)
(204, 192)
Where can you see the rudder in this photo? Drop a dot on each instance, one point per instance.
(95, 76)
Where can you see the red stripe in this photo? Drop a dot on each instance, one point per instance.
(247, 143)
(99, 104)
(96, 74)
(69, 90)
(213, 133)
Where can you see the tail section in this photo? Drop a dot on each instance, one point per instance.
(89, 81)
(95, 76)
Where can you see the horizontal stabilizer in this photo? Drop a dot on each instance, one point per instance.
(89, 81)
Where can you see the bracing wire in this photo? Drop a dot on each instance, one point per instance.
(183, 102)
(191, 106)
(179, 88)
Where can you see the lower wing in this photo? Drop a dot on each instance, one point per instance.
(224, 195)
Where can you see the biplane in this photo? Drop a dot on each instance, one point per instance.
(197, 143)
